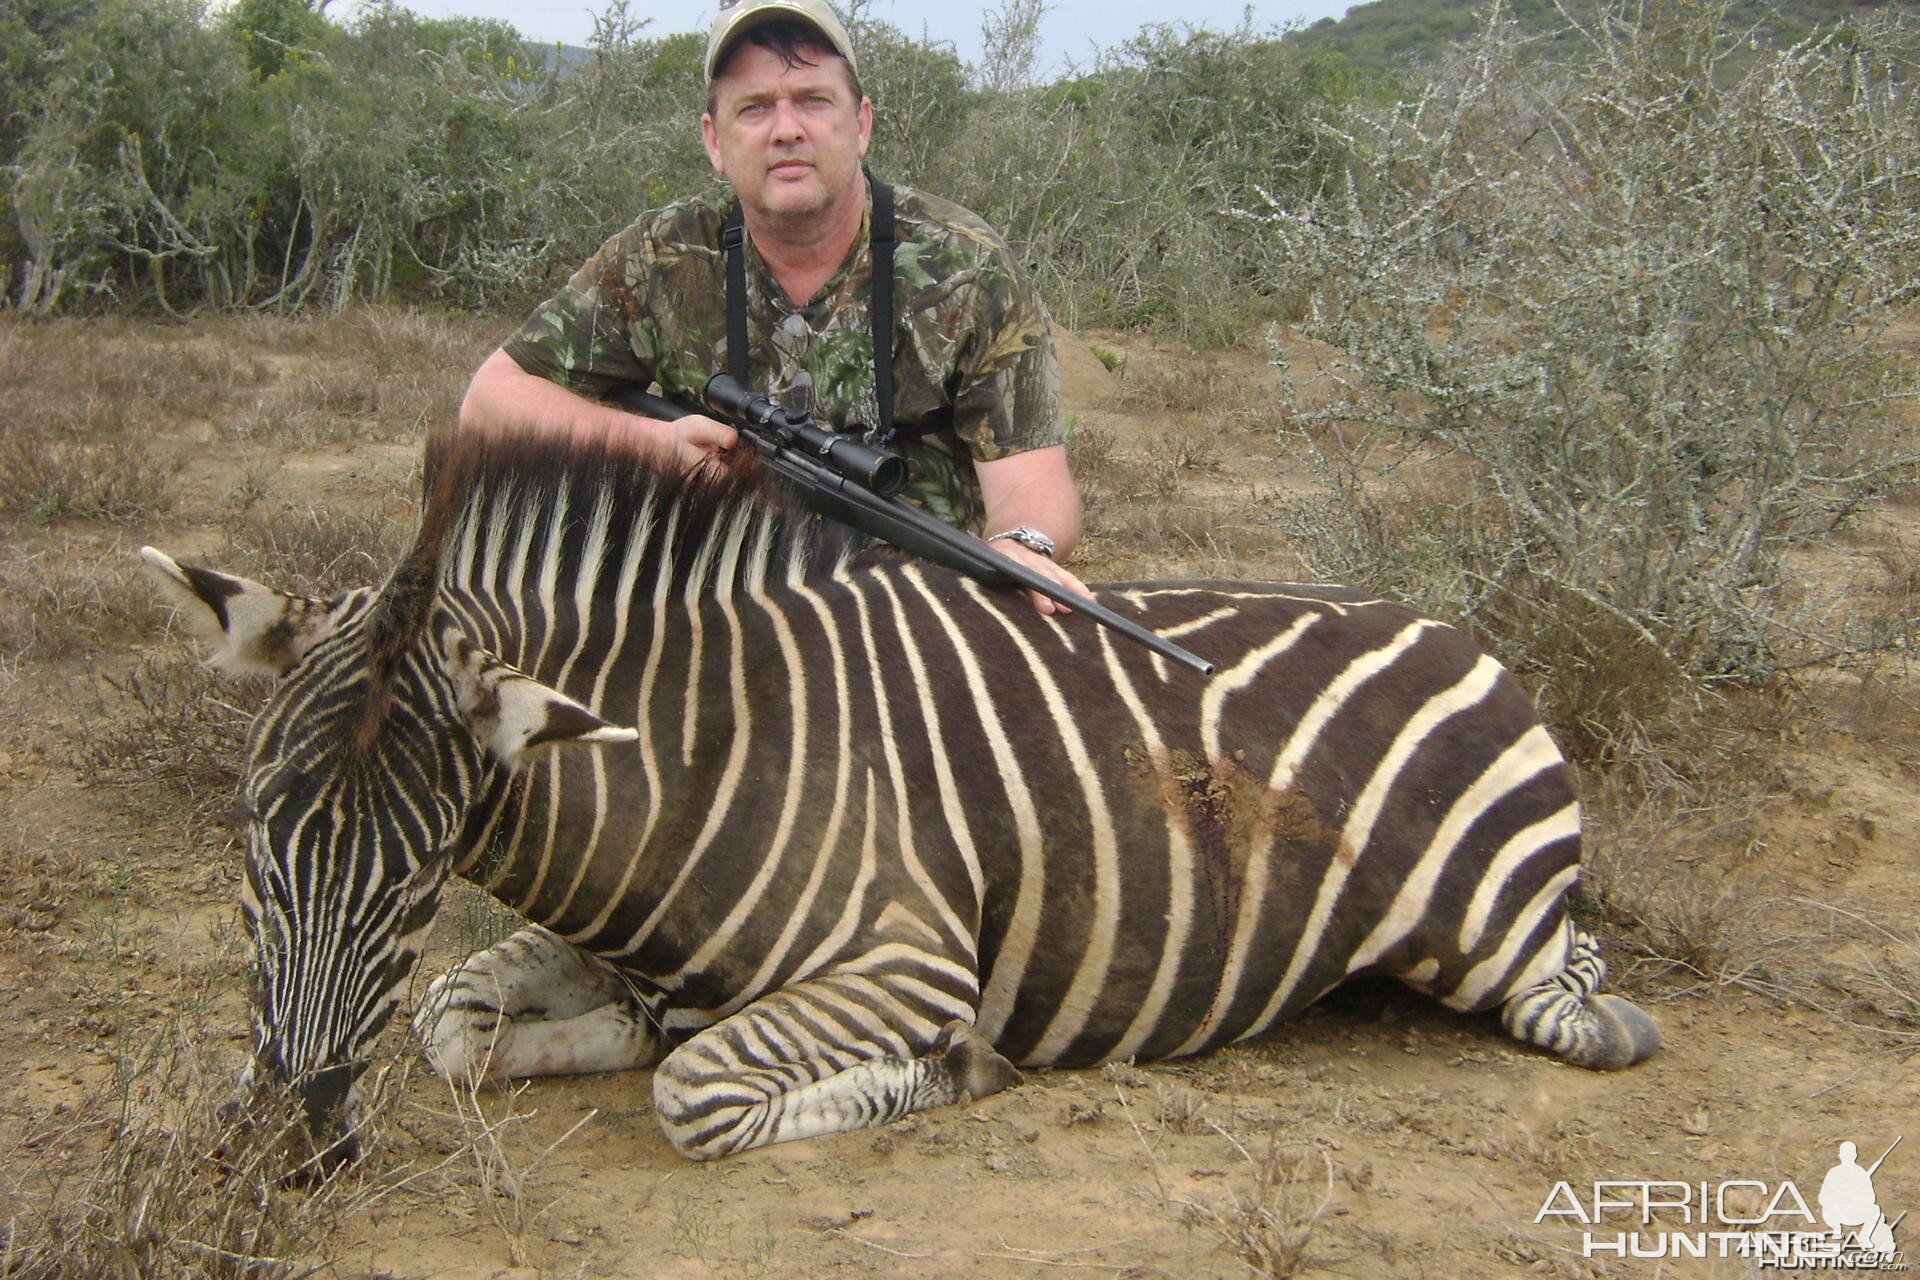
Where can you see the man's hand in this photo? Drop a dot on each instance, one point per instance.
(1046, 568)
(685, 443)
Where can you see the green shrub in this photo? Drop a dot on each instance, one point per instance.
(1635, 292)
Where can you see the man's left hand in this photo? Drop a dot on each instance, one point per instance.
(1046, 568)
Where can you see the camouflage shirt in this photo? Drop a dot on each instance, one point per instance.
(973, 354)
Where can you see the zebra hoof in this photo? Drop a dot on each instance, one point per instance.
(1624, 1034)
(974, 1066)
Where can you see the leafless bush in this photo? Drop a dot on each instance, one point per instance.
(1635, 292)
(59, 600)
(313, 550)
(117, 480)
(492, 1168)
(171, 724)
(150, 1177)
(1269, 1227)
(1887, 982)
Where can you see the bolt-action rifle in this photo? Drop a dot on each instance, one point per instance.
(847, 480)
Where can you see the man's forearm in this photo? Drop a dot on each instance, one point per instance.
(1035, 489)
(503, 396)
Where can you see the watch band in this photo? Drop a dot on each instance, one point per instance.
(1029, 537)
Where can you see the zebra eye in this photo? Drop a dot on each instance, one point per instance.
(241, 814)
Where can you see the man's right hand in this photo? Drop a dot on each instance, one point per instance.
(505, 397)
(686, 443)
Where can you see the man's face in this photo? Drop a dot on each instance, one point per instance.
(789, 139)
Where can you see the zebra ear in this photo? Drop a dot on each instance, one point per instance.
(514, 714)
(255, 628)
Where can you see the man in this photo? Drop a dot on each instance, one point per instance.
(975, 405)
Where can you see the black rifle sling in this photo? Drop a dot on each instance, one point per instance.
(733, 238)
(881, 306)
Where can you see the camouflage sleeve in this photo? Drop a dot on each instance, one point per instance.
(585, 337)
(1007, 399)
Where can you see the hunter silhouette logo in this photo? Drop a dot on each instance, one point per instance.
(1847, 1200)
(1771, 1224)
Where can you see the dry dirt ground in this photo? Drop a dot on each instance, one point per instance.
(1377, 1137)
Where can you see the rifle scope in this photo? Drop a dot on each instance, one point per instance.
(876, 469)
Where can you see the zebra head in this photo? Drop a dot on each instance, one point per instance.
(385, 726)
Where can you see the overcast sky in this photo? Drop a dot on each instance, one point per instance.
(1072, 29)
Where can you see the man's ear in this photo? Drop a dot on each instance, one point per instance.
(514, 714)
(254, 628)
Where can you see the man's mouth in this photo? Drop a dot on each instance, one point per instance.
(790, 167)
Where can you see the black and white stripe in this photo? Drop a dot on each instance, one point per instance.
(883, 834)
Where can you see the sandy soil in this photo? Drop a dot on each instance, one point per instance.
(1394, 1139)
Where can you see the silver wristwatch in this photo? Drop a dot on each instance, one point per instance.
(1029, 537)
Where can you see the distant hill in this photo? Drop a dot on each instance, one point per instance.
(1391, 33)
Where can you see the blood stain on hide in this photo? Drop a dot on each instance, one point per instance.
(1228, 814)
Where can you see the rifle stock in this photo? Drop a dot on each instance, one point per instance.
(890, 519)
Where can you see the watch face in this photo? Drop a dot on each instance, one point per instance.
(1034, 540)
(1029, 537)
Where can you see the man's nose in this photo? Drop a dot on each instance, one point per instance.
(786, 121)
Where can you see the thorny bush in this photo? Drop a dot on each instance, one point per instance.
(1632, 298)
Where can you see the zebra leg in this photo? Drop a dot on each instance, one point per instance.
(824, 1056)
(533, 1005)
(1564, 1014)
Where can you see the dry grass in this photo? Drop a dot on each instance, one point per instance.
(372, 373)
(150, 1177)
(1698, 928)
(1264, 1218)
(104, 378)
(1159, 383)
(153, 1175)
(84, 402)
(173, 727)
(311, 550)
(44, 476)
(149, 1171)
(73, 596)
(1143, 512)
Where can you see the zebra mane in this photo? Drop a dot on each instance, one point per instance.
(506, 514)
(518, 499)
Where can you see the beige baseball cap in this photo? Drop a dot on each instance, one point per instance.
(737, 17)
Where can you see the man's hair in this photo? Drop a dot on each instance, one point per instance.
(785, 39)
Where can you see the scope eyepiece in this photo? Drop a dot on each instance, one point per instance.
(876, 469)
